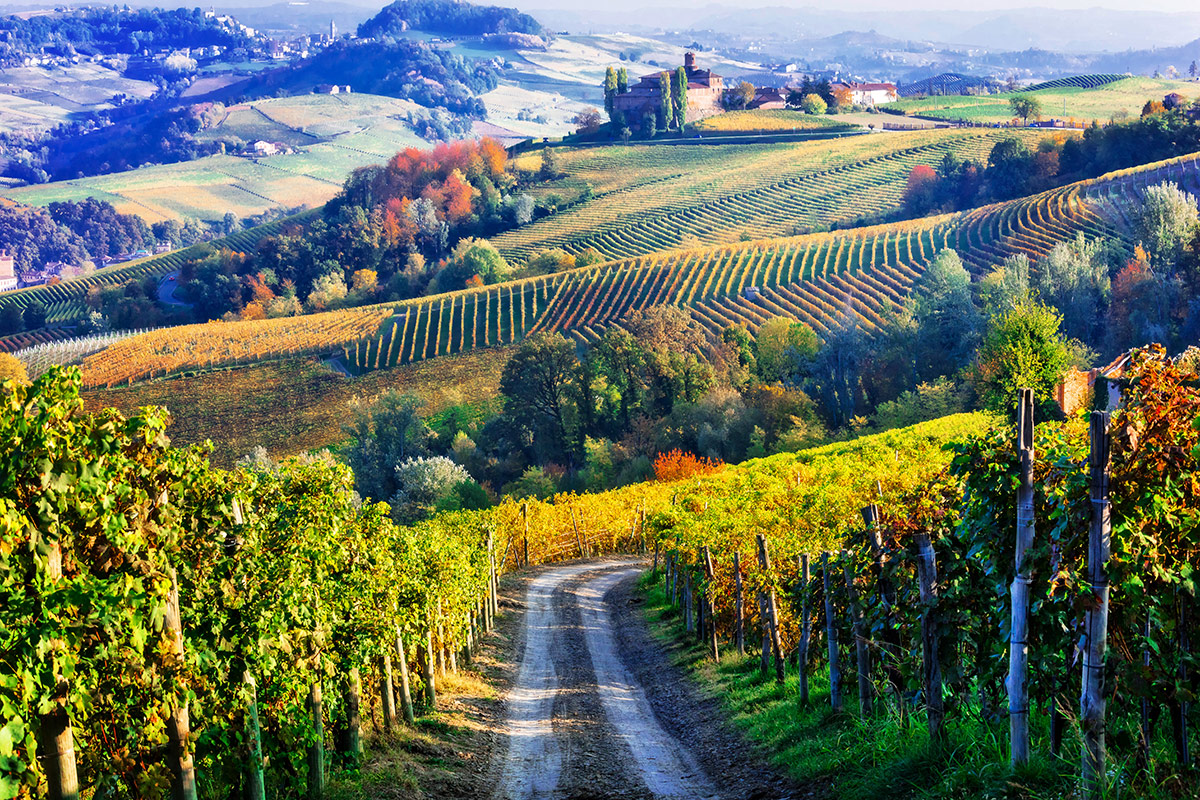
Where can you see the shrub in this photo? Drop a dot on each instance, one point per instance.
(678, 464)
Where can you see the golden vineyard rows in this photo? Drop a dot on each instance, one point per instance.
(812, 278)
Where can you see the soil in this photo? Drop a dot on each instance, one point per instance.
(594, 707)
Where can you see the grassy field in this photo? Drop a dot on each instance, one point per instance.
(1114, 100)
(33, 98)
(295, 406)
(770, 121)
(336, 134)
(649, 198)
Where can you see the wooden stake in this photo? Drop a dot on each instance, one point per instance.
(254, 784)
(863, 656)
(764, 662)
(578, 540)
(689, 624)
(739, 606)
(1092, 702)
(406, 702)
(890, 635)
(764, 560)
(932, 669)
(316, 750)
(179, 757)
(353, 716)
(427, 669)
(525, 523)
(805, 627)
(55, 742)
(835, 673)
(386, 693)
(1018, 652)
(708, 601)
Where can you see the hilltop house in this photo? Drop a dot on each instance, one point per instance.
(705, 90)
(8, 272)
(869, 94)
(768, 97)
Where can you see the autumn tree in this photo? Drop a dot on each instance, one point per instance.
(1025, 106)
(588, 121)
(12, 369)
(814, 104)
(742, 95)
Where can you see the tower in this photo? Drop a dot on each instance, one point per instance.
(332, 29)
(8, 271)
(689, 61)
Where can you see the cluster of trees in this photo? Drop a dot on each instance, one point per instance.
(1015, 170)
(447, 17)
(109, 29)
(399, 230)
(671, 113)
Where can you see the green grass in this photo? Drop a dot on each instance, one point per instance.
(1114, 100)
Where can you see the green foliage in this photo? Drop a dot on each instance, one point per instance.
(1022, 348)
(784, 349)
(1025, 106)
(814, 104)
(1163, 222)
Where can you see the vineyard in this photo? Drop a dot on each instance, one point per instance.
(769, 121)
(64, 301)
(39, 358)
(1076, 82)
(647, 202)
(810, 278)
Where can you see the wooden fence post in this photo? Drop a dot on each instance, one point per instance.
(427, 669)
(316, 750)
(708, 601)
(353, 743)
(863, 655)
(764, 560)
(1018, 646)
(654, 572)
(406, 703)
(739, 606)
(835, 673)
(890, 635)
(254, 784)
(805, 627)
(932, 672)
(689, 623)
(55, 741)
(179, 757)
(764, 663)
(1092, 703)
(386, 693)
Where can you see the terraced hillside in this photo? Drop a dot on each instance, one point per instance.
(813, 278)
(64, 301)
(650, 199)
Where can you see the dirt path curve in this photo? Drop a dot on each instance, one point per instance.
(594, 714)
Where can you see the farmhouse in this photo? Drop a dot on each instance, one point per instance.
(705, 90)
(8, 273)
(768, 97)
(868, 94)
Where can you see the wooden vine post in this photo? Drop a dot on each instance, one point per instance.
(930, 658)
(862, 654)
(890, 635)
(689, 622)
(386, 694)
(179, 757)
(708, 601)
(255, 786)
(835, 673)
(316, 750)
(493, 580)
(739, 607)
(1092, 703)
(764, 561)
(805, 625)
(1018, 646)
(55, 742)
(353, 741)
(406, 702)
(427, 663)
(525, 524)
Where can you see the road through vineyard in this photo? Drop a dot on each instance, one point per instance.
(597, 711)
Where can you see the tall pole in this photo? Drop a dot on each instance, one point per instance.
(1092, 704)
(1018, 646)
(835, 675)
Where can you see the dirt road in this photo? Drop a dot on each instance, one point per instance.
(596, 709)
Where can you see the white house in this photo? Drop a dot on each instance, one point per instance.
(8, 272)
(869, 94)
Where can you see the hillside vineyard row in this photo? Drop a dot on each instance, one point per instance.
(810, 278)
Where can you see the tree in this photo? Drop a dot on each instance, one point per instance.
(920, 193)
(837, 368)
(679, 97)
(784, 350)
(34, 315)
(1005, 286)
(425, 484)
(1163, 222)
(813, 104)
(12, 369)
(1025, 106)
(666, 110)
(537, 385)
(1073, 277)
(588, 121)
(622, 81)
(946, 318)
(622, 362)
(842, 97)
(383, 435)
(1022, 348)
(742, 95)
(1192, 70)
(1010, 169)
(472, 259)
(610, 91)
(548, 169)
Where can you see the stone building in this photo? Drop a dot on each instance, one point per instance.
(8, 272)
(705, 90)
